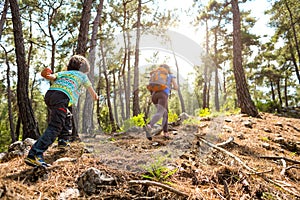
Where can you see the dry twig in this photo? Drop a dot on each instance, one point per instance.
(153, 183)
(231, 139)
(279, 158)
(249, 168)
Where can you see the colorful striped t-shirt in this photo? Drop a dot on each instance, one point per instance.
(70, 82)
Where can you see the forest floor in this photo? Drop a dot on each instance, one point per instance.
(224, 157)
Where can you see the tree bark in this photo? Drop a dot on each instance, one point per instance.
(293, 28)
(30, 128)
(81, 49)
(244, 99)
(3, 17)
(9, 101)
(88, 108)
(136, 101)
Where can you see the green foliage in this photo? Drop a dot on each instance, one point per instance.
(158, 172)
(265, 139)
(268, 106)
(5, 138)
(134, 121)
(104, 120)
(138, 120)
(204, 112)
(191, 121)
(172, 117)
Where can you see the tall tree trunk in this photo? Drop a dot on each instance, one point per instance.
(279, 92)
(294, 32)
(125, 110)
(122, 72)
(88, 108)
(107, 90)
(205, 90)
(30, 128)
(10, 113)
(286, 91)
(136, 100)
(294, 59)
(272, 91)
(244, 99)
(3, 17)
(115, 97)
(177, 74)
(81, 49)
(217, 103)
(128, 88)
(107, 86)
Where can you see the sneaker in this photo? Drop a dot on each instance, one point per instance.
(63, 144)
(36, 161)
(147, 129)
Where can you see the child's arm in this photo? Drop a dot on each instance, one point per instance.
(47, 74)
(93, 93)
(50, 77)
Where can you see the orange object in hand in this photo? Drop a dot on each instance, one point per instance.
(45, 72)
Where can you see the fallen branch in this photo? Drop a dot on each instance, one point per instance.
(282, 173)
(279, 158)
(292, 166)
(247, 167)
(226, 142)
(153, 183)
(228, 153)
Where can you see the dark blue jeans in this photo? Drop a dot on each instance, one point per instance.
(59, 125)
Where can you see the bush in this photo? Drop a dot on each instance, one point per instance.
(268, 106)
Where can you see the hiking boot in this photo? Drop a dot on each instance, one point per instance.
(147, 129)
(36, 161)
(63, 144)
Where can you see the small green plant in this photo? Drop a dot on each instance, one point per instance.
(172, 117)
(134, 121)
(265, 139)
(138, 120)
(158, 172)
(204, 112)
(191, 121)
(293, 154)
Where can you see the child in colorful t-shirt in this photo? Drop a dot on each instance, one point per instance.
(62, 93)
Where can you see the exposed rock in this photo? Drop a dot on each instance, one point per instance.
(92, 178)
(69, 193)
(227, 129)
(248, 124)
(267, 130)
(266, 146)
(279, 124)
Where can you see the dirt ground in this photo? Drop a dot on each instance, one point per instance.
(224, 157)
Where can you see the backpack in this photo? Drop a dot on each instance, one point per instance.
(158, 79)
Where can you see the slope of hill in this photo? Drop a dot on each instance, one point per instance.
(229, 157)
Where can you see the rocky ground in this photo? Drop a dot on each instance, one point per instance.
(224, 157)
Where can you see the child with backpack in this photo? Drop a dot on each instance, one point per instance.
(63, 92)
(161, 82)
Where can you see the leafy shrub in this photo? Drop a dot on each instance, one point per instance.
(172, 117)
(268, 106)
(158, 172)
(204, 112)
(135, 121)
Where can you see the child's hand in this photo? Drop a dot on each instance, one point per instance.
(46, 72)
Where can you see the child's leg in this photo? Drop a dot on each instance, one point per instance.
(57, 102)
(67, 128)
(57, 119)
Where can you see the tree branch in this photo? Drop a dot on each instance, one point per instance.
(249, 168)
(153, 183)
